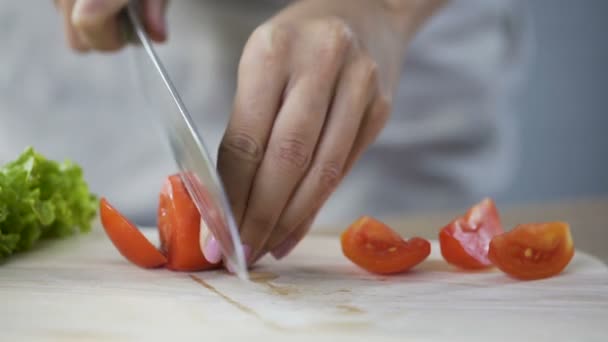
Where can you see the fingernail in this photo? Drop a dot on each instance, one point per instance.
(212, 251)
(209, 245)
(284, 248)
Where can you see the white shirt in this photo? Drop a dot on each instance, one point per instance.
(451, 138)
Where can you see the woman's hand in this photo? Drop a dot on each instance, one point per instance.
(94, 24)
(314, 90)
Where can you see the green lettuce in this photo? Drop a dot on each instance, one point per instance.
(41, 198)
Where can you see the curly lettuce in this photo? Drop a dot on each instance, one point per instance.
(40, 199)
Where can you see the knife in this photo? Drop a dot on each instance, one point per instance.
(197, 171)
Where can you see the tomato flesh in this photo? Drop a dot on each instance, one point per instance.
(179, 228)
(129, 241)
(533, 250)
(465, 241)
(375, 247)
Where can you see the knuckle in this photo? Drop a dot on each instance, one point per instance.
(269, 42)
(242, 146)
(338, 37)
(329, 175)
(293, 153)
(338, 30)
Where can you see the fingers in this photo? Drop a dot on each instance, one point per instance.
(262, 78)
(72, 36)
(97, 23)
(371, 126)
(290, 149)
(293, 140)
(356, 87)
(153, 14)
(94, 24)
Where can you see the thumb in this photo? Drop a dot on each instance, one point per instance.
(95, 11)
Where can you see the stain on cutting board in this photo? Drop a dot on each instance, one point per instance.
(350, 309)
(238, 305)
(265, 278)
(257, 277)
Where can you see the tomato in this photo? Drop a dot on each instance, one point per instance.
(534, 250)
(375, 247)
(465, 241)
(129, 241)
(179, 228)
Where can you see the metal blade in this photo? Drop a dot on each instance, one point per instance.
(197, 171)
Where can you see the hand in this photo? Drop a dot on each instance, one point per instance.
(94, 24)
(314, 90)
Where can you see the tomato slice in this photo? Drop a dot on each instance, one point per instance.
(375, 247)
(465, 241)
(179, 228)
(534, 250)
(129, 241)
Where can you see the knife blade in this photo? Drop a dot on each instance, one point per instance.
(196, 168)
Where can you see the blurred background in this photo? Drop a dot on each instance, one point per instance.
(562, 113)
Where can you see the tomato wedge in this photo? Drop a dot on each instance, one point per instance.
(375, 247)
(179, 228)
(129, 241)
(534, 250)
(465, 241)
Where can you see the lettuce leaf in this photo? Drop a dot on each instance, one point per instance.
(41, 198)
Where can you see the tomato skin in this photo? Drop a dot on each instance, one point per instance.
(533, 250)
(465, 241)
(179, 228)
(129, 241)
(375, 247)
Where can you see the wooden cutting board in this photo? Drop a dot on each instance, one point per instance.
(81, 289)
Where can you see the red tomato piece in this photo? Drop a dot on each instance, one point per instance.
(179, 228)
(534, 250)
(129, 241)
(375, 247)
(465, 241)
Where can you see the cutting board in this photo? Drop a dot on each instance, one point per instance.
(81, 289)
